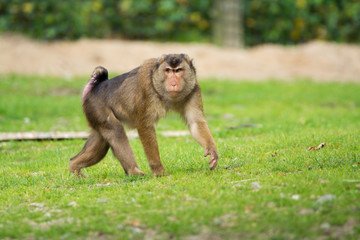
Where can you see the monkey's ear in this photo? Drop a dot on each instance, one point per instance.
(187, 58)
(191, 63)
(161, 59)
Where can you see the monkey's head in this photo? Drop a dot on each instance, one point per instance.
(174, 76)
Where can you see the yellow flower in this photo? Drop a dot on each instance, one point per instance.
(96, 6)
(28, 7)
(195, 17)
(301, 3)
(299, 23)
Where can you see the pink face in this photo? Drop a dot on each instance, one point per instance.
(173, 80)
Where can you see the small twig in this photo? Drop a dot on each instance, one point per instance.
(244, 180)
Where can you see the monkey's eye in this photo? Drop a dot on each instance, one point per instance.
(178, 70)
(168, 70)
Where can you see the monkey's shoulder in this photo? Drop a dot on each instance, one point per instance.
(149, 62)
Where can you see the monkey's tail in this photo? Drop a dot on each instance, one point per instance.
(100, 74)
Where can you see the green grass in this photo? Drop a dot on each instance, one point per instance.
(39, 199)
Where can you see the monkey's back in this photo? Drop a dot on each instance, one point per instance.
(126, 97)
(115, 96)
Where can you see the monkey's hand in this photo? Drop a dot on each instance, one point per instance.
(213, 158)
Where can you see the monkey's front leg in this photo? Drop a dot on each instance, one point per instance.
(201, 133)
(147, 136)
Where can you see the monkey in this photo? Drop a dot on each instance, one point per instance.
(138, 99)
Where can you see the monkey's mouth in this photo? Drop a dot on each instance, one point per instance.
(173, 93)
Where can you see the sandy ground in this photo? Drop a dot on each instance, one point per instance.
(320, 61)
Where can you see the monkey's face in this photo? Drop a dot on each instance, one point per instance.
(175, 77)
(173, 80)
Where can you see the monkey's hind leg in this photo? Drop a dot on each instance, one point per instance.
(93, 152)
(120, 146)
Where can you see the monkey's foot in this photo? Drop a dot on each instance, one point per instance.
(78, 173)
(213, 163)
(160, 172)
(136, 171)
(213, 158)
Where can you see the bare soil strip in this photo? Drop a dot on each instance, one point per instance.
(320, 61)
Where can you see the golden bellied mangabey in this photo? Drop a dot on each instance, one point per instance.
(139, 99)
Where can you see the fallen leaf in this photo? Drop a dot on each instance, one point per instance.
(323, 180)
(248, 208)
(227, 116)
(325, 226)
(104, 184)
(295, 197)
(255, 185)
(172, 218)
(325, 198)
(72, 204)
(37, 205)
(271, 205)
(317, 148)
(135, 223)
(226, 220)
(188, 198)
(102, 200)
(306, 211)
(136, 230)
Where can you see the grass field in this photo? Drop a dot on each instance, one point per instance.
(267, 184)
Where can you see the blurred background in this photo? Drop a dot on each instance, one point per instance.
(226, 37)
(227, 22)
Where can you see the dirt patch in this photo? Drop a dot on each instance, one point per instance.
(321, 61)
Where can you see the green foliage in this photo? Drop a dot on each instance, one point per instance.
(275, 21)
(290, 21)
(262, 131)
(180, 20)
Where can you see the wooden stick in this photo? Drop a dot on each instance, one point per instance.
(22, 136)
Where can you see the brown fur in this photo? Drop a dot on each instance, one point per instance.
(139, 99)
